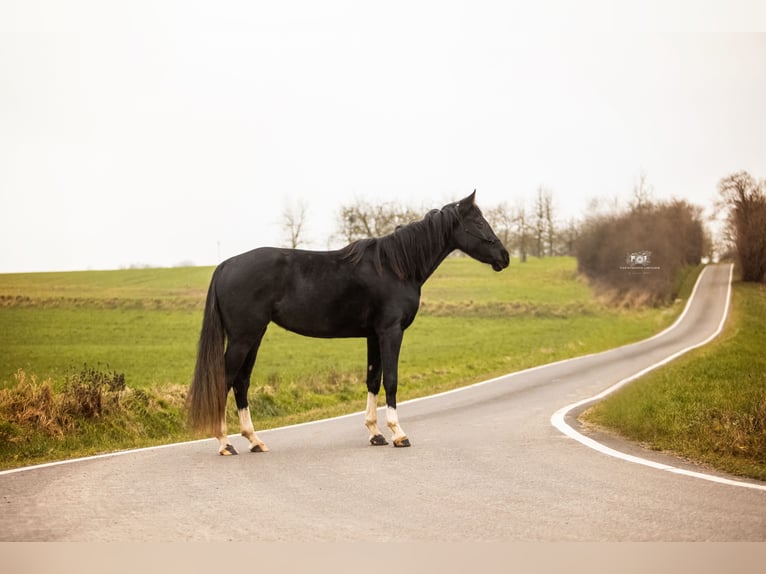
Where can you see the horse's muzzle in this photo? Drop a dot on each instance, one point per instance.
(502, 262)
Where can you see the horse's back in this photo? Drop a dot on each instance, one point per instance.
(264, 264)
(297, 289)
(314, 293)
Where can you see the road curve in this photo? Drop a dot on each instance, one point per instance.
(487, 464)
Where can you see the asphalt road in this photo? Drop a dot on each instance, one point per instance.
(486, 464)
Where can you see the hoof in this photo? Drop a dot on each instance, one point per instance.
(259, 448)
(378, 440)
(402, 442)
(228, 451)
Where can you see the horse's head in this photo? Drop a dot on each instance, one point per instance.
(474, 236)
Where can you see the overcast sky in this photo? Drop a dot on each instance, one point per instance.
(167, 132)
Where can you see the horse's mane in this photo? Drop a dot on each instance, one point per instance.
(409, 250)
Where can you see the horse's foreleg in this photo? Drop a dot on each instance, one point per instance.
(373, 388)
(371, 421)
(390, 343)
(248, 431)
(392, 420)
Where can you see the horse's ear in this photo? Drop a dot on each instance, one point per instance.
(466, 204)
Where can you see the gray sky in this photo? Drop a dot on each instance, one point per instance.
(163, 132)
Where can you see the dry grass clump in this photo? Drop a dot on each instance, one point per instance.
(503, 309)
(629, 298)
(91, 411)
(180, 303)
(31, 406)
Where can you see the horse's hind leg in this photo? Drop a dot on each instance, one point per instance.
(239, 360)
(241, 386)
(225, 448)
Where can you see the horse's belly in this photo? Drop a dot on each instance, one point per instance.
(323, 330)
(323, 322)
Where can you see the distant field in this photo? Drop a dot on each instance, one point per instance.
(473, 324)
(146, 323)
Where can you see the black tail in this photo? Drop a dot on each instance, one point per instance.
(206, 402)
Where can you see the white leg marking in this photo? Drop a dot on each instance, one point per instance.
(392, 420)
(246, 423)
(371, 415)
(248, 431)
(224, 447)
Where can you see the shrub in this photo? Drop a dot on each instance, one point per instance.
(90, 392)
(669, 235)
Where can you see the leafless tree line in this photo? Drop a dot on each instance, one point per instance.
(608, 243)
(673, 231)
(744, 201)
(361, 219)
(534, 230)
(294, 223)
(528, 230)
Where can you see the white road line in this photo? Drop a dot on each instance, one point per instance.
(558, 419)
(97, 456)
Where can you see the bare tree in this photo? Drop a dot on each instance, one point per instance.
(294, 221)
(745, 199)
(501, 218)
(550, 226)
(544, 226)
(568, 237)
(642, 194)
(521, 222)
(362, 219)
(539, 224)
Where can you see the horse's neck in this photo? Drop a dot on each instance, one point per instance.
(438, 258)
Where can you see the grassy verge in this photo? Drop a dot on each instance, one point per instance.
(709, 405)
(91, 410)
(474, 324)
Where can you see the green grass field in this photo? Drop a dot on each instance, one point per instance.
(473, 324)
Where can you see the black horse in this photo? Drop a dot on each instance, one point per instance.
(370, 288)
